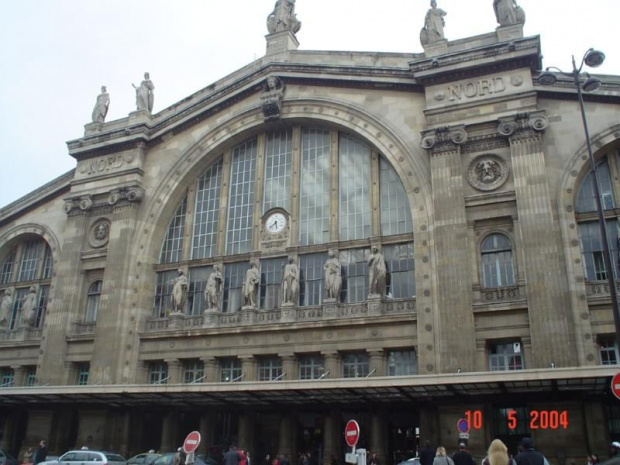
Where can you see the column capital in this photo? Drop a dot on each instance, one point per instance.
(444, 139)
(525, 124)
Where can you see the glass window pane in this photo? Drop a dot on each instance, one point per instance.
(355, 365)
(497, 266)
(592, 249)
(278, 168)
(162, 305)
(586, 201)
(193, 371)
(92, 303)
(354, 213)
(172, 247)
(6, 274)
(241, 198)
(354, 275)
(311, 367)
(269, 369)
(207, 212)
(30, 259)
(311, 279)
(234, 274)
(402, 363)
(230, 370)
(400, 270)
(314, 187)
(271, 283)
(395, 211)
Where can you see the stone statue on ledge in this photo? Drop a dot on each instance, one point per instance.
(283, 18)
(290, 282)
(101, 107)
(250, 286)
(6, 306)
(213, 289)
(377, 273)
(29, 308)
(508, 13)
(144, 94)
(433, 25)
(333, 276)
(179, 293)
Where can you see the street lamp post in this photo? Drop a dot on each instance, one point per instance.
(592, 58)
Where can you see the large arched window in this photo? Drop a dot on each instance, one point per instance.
(333, 188)
(26, 269)
(589, 231)
(497, 266)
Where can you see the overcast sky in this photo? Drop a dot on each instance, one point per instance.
(56, 54)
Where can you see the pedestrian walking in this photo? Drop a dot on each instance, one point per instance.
(427, 454)
(441, 457)
(462, 457)
(40, 454)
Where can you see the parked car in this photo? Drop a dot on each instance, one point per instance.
(146, 458)
(411, 461)
(50, 459)
(87, 457)
(7, 459)
(166, 459)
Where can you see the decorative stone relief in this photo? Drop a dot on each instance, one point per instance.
(272, 97)
(99, 233)
(132, 194)
(487, 172)
(445, 138)
(523, 122)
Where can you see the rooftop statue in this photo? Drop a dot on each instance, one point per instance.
(283, 18)
(101, 107)
(433, 25)
(144, 94)
(508, 12)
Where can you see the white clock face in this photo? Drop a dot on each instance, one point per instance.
(276, 223)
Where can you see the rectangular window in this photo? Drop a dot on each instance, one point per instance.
(311, 367)
(354, 212)
(172, 247)
(196, 290)
(6, 274)
(234, 275)
(20, 295)
(354, 275)
(592, 249)
(269, 369)
(193, 372)
(355, 365)
(314, 187)
(402, 363)
(501, 420)
(47, 263)
(30, 259)
(162, 305)
(608, 350)
(311, 279)
(230, 370)
(158, 373)
(395, 212)
(400, 270)
(505, 357)
(7, 377)
(207, 212)
(271, 283)
(44, 292)
(278, 168)
(31, 376)
(83, 371)
(241, 198)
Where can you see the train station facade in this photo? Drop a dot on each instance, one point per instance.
(468, 175)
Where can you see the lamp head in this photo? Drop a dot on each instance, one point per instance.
(547, 78)
(591, 84)
(594, 58)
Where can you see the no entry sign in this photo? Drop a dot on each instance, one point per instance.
(191, 443)
(352, 433)
(615, 385)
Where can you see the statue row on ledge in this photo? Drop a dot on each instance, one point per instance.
(28, 308)
(507, 13)
(377, 273)
(144, 99)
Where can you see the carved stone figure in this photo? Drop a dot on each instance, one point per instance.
(144, 94)
(272, 97)
(333, 276)
(377, 273)
(283, 18)
(179, 292)
(213, 289)
(507, 12)
(250, 286)
(290, 282)
(101, 107)
(29, 308)
(434, 23)
(487, 172)
(6, 306)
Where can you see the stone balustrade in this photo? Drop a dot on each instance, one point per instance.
(499, 295)
(286, 314)
(599, 288)
(21, 334)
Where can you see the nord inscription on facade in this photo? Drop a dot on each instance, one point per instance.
(105, 164)
(479, 88)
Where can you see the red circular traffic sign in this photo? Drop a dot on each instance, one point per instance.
(352, 433)
(191, 442)
(615, 385)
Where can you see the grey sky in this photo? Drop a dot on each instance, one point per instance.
(56, 54)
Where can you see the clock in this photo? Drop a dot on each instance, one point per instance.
(276, 222)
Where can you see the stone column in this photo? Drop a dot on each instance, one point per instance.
(335, 183)
(377, 362)
(248, 368)
(211, 369)
(452, 329)
(378, 436)
(223, 213)
(175, 371)
(331, 438)
(288, 425)
(429, 424)
(19, 373)
(9, 430)
(259, 190)
(207, 430)
(169, 432)
(289, 366)
(332, 364)
(246, 431)
(552, 331)
(295, 186)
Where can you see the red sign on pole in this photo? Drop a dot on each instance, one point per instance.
(352, 433)
(191, 443)
(615, 385)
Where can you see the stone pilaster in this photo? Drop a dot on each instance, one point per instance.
(378, 436)
(211, 370)
(452, 327)
(169, 432)
(331, 436)
(377, 362)
(248, 368)
(288, 425)
(19, 373)
(550, 326)
(289, 366)
(207, 430)
(246, 430)
(332, 364)
(175, 371)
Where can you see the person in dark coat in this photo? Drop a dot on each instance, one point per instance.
(529, 456)
(41, 453)
(427, 454)
(462, 457)
(231, 457)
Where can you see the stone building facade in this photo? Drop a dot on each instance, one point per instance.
(468, 176)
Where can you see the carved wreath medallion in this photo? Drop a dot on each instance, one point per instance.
(99, 233)
(487, 172)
